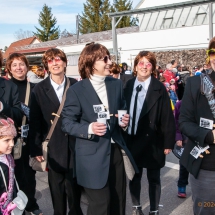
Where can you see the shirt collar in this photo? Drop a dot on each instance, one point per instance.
(145, 83)
(57, 86)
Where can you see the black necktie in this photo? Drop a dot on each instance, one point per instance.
(138, 89)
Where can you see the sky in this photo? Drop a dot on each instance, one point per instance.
(24, 14)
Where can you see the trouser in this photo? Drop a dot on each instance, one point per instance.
(111, 199)
(64, 188)
(25, 177)
(153, 176)
(183, 176)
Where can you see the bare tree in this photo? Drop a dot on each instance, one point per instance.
(65, 34)
(20, 34)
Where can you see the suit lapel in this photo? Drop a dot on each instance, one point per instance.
(50, 92)
(111, 95)
(2, 86)
(152, 96)
(128, 93)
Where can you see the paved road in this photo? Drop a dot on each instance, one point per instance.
(171, 204)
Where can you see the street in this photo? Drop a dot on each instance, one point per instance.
(170, 203)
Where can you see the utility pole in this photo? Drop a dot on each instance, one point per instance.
(114, 38)
(77, 28)
(210, 20)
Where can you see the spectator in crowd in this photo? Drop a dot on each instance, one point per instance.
(124, 67)
(45, 101)
(17, 65)
(181, 140)
(168, 74)
(172, 92)
(3, 73)
(199, 70)
(36, 74)
(174, 63)
(9, 99)
(99, 161)
(151, 130)
(115, 72)
(196, 121)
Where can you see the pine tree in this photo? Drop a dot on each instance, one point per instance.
(48, 23)
(95, 16)
(123, 5)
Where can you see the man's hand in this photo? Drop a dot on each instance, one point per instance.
(179, 143)
(99, 128)
(124, 120)
(40, 158)
(167, 151)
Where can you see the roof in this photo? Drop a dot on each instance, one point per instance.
(23, 42)
(84, 38)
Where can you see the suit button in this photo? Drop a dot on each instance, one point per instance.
(65, 134)
(147, 135)
(108, 154)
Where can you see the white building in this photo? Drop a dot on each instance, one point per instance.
(174, 29)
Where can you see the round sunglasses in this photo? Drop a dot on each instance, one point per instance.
(56, 59)
(147, 65)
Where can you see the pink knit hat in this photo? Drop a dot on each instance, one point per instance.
(7, 127)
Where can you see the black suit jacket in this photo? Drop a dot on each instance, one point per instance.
(194, 105)
(93, 155)
(9, 96)
(156, 126)
(44, 102)
(124, 78)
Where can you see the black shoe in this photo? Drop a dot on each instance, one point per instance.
(137, 211)
(154, 213)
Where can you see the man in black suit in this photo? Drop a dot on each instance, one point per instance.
(151, 132)
(45, 101)
(9, 99)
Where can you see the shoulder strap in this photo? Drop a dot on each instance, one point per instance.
(59, 111)
(27, 96)
(2, 173)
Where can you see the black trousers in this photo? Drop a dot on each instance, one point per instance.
(183, 176)
(25, 177)
(153, 176)
(111, 199)
(64, 188)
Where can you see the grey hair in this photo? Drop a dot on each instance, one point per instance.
(169, 65)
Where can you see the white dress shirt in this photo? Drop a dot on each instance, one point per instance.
(140, 102)
(58, 88)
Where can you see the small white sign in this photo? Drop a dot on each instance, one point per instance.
(104, 115)
(206, 123)
(195, 152)
(99, 108)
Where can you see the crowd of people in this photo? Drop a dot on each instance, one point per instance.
(104, 128)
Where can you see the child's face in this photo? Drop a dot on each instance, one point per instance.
(6, 144)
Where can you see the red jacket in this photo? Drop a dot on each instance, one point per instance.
(168, 75)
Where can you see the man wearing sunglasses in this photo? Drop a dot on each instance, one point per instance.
(9, 102)
(46, 99)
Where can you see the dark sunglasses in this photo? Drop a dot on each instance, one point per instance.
(105, 59)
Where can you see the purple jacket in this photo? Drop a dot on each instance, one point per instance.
(178, 135)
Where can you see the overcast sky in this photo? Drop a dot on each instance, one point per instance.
(24, 14)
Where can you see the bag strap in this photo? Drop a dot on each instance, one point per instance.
(27, 96)
(5, 184)
(59, 111)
